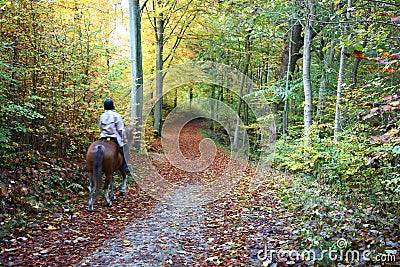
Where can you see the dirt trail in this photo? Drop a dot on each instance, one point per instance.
(189, 140)
(157, 240)
(177, 234)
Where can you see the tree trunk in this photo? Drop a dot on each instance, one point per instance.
(220, 98)
(190, 97)
(240, 102)
(159, 75)
(340, 78)
(289, 61)
(286, 103)
(306, 71)
(136, 72)
(322, 87)
(339, 92)
(321, 95)
(175, 98)
(213, 118)
(357, 64)
(291, 54)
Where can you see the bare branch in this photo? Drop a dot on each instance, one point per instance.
(143, 6)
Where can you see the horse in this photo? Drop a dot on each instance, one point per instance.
(103, 156)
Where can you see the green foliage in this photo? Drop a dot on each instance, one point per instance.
(12, 118)
(55, 71)
(53, 63)
(350, 167)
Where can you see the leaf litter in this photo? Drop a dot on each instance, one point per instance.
(241, 229)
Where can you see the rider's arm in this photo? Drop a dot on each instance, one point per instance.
(100, 124)
(119, 125)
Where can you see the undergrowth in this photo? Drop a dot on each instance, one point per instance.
(37, 184)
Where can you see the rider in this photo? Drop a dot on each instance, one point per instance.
(112, 127)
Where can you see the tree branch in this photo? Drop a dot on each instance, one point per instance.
(143, 6)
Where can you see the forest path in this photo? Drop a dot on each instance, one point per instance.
(225, 232)
(159, 239)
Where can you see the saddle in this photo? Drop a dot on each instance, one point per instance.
(113, 139)
(120, 149)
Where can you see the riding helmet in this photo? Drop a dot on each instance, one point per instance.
(108, 104)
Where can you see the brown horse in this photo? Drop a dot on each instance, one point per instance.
(103, 157)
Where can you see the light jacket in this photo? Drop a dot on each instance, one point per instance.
(111, 125)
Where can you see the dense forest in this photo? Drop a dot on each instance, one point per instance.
(328, 71)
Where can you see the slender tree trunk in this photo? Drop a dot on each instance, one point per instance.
(322, 88)
(339, 92)
(175, 98)
(286, 103)
(242, 85)
(190, 96)
(136, 71)
(357, 64)
(267, 70)
(159, 75)
(213, 118)
(321, 95)
(290, 56)
(306, 70)
(246, 110)
(168, 29)
(340, 78)
(220, 99)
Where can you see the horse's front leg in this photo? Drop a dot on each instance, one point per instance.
(107, 187)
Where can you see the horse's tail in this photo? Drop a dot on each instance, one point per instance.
(98, 167)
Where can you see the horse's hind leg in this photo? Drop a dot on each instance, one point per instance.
(92, 192)
(107, 186)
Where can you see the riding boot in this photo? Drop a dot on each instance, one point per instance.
(124, 165)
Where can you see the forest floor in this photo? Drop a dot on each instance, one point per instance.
(243, 228)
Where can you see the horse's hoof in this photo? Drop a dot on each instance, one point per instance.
(90, 209)
(113, 198)
(109, 204)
